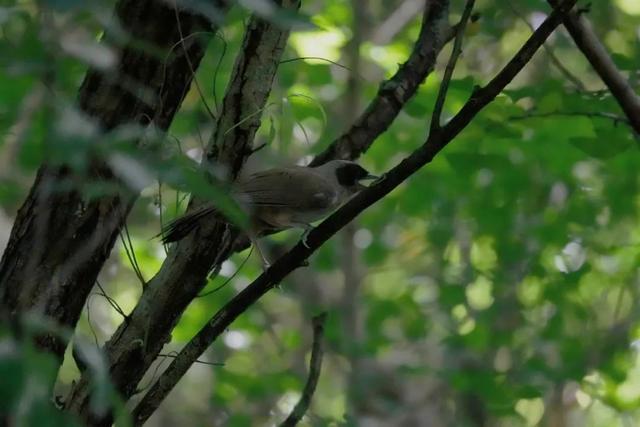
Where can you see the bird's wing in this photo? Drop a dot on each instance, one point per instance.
(293, 187)
(180, 227)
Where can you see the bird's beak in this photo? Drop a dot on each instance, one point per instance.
(360, 186)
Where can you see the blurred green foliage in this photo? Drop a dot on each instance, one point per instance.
(498, 286)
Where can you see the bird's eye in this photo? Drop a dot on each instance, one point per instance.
(349, 174)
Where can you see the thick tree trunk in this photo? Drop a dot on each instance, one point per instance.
(60, 239)
(139, 339)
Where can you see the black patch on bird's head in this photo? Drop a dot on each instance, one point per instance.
(350, 174)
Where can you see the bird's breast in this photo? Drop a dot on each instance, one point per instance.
(281, 217)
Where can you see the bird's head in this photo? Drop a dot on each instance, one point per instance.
(347, 174)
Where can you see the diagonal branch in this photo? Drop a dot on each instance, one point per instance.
(451, 65)
(315, 366)
(395, 92)
(616, 119)
(575, 81)
(590, 45)
(297, 256)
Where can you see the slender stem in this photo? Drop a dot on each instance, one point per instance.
(593, 114)
(552, 56)
(394, 93)
(593, 49)
(315, 366)
(451, 65)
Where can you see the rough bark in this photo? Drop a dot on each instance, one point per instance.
(138, 341)
(60, 239)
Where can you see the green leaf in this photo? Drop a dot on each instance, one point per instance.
(624, 62)
(452, 295)
(602, 148)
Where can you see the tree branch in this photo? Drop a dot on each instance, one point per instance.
(138, 340)
(395, 92)
(61, 239)
(408, 76)
(552, 56)
(593, 114)
(451, 65)
(590, 45)
(297, 255)
(315, 366)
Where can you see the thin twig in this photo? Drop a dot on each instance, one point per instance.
(394, 93)
(315, 366)
(229, 279)
(595, 52)
(552, 56)
(181, 41)
(191, 67)
(314, 101)
(451, 34)
(91, 328)
(174, 354)
(451, 65)
(131, 252)
(112, 302)
(154, 374)
(594, 114)
(315, 58)
(217, 69)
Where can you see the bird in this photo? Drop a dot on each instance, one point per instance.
(281, 198)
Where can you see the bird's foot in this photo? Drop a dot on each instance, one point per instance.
(305, 235)
(380, 178)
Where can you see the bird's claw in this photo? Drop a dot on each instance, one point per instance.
(380, 178)
(304, 237)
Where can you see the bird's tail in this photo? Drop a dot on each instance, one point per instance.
(180, 227)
